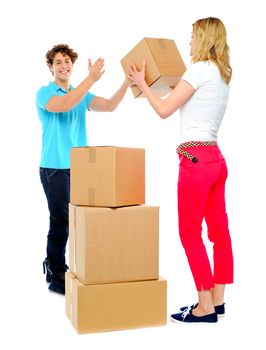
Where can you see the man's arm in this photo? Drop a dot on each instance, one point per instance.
(101, 104)
(73, 97)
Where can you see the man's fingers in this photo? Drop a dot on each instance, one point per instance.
(99, 63)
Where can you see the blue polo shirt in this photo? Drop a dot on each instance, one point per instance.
(61, 130)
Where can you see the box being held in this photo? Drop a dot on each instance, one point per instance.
(109, 245)
(107, 176)
(116, 306)
(164, 64)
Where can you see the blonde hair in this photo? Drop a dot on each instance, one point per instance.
(211, 45)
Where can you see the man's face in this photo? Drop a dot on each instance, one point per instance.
(62, 67)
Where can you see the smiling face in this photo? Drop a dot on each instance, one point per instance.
(192, 44)
(61, 68)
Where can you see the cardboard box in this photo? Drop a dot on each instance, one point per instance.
(117, 306)
(114, 244)
(107, 176)
(164, 64)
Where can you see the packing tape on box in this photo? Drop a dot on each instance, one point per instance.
(70, 300)
(92, 154)
(91, 196)
(71, 311)
(161, 44)
(74, 241)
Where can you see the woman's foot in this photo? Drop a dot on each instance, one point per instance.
(200, 311)
(219, 309)
(188, 317)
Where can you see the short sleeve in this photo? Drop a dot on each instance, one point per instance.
(43, 96)
(195, 75)
(89, 97)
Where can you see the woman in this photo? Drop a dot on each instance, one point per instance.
(202, 96)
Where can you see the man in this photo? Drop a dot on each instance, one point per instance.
(62, 111)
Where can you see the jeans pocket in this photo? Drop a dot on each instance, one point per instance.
(50, 173)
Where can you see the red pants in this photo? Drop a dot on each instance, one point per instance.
(201, 194)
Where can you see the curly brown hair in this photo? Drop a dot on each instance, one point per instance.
(64, 50)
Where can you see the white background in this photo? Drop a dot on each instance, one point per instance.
(32, 317)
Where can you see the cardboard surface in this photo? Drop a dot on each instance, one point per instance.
(117, 306)
(164, 64)
(107, 176)
(114, 244)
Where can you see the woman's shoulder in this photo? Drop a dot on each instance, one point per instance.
(204, 67)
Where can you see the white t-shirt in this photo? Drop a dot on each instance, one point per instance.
(202, 114)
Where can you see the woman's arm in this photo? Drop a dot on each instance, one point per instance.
(163, 107)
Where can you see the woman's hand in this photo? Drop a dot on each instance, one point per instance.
(137, 77)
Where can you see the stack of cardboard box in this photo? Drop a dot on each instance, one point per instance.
(113, 281)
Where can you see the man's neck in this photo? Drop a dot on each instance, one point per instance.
(63, 84)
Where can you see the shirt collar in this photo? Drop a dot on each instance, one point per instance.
(56, 87)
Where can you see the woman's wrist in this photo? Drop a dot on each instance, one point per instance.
(142, 85)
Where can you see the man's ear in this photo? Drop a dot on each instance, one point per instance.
(51, 69)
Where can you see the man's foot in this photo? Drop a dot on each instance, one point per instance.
(57, 284)
(47, 270)
(56, 279)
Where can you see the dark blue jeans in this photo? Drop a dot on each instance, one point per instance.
(56, 185)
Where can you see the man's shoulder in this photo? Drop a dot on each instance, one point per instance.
(44, 94)
(45, 88)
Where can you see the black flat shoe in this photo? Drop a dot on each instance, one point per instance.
(187, 316)
(219, 309)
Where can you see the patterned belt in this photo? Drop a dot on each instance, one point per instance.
(180, 149)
